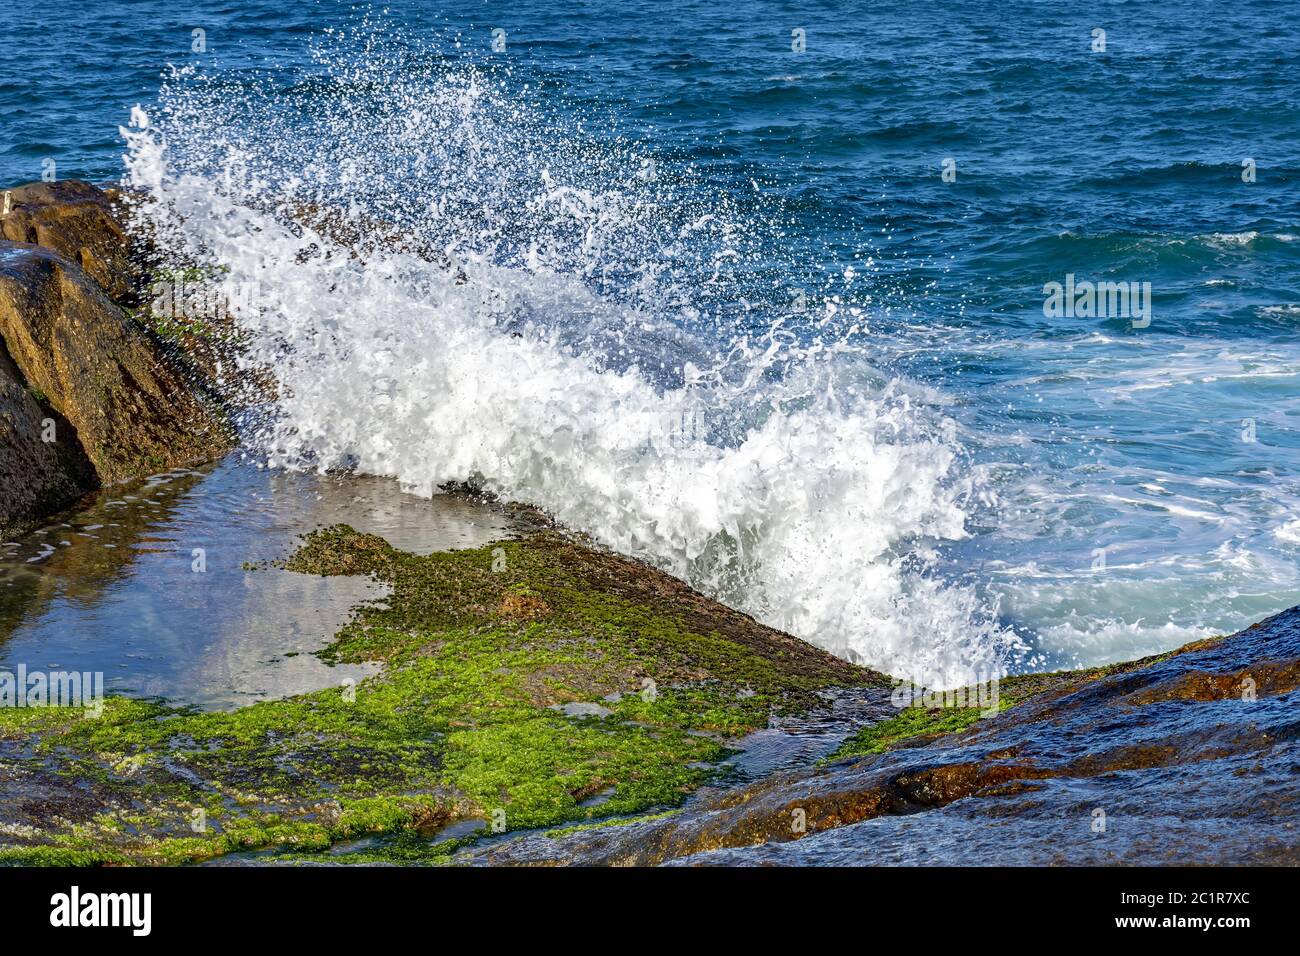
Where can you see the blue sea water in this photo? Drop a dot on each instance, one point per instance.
(1141, 484)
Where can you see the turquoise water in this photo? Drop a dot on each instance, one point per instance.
(1123, 487)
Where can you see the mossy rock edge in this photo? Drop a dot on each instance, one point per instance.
(531, 683)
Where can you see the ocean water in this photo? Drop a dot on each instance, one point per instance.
(757, 291)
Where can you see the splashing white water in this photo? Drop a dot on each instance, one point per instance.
(559, 327)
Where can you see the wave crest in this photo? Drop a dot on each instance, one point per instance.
(482, 292)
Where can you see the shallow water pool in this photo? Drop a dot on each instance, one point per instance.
(160, 585)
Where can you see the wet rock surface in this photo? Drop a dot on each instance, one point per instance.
(78, 221)
(1187, 758)
(37, 476)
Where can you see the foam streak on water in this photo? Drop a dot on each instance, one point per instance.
(563, 327)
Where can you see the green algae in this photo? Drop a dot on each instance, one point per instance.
(910, 724)
(480, 651)
(920, 724)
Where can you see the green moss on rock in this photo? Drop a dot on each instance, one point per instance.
(530, 683)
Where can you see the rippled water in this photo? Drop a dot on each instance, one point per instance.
(152, 584)
(1112, 491)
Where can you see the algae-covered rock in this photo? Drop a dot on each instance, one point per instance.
(132, 412)
(530, 683)
(550, 703)
(1185, 758)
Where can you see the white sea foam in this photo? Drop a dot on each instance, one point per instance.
(1289, 532)
(561, 327)
(1229, 239)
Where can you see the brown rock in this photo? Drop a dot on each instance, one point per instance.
(37, 477)
(133, 413)
(78, 221)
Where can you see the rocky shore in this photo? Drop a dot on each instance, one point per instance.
(1186, 758)
(540, 701)
(88, 395)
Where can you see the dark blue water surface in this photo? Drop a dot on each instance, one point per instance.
(1174, 447)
